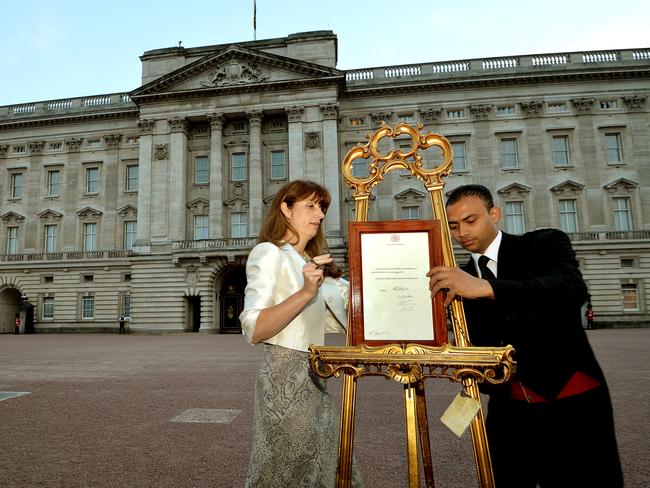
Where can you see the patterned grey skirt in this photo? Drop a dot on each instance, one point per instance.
(295, 425)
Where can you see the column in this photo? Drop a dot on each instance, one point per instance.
(296, 163)
(332, 168)
(255, 189)
(143, 238)
(216, 176)
(177, 178)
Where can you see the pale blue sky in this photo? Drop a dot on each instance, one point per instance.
(53, 49)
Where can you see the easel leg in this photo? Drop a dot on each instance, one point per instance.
(423, 426)
(346, 433)
(479, 439)
(411, 436)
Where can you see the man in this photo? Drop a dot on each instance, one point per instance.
(552, 425)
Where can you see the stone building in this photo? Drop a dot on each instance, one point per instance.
(147, 203)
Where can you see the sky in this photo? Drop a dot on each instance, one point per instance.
(54, 49)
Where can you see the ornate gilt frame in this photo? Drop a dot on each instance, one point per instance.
(410, 364)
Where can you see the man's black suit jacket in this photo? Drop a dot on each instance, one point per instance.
(538, 296)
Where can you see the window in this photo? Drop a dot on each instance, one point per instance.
(48, 308)
(88, 278)
(627, 263)
(505, 111)
(94, 143)
(88, 307)
(132, 179)
(410, 213)
(568, 215)
(49, 242)
(126, 305)
(460, 160)
(238, 225)
(360, 168)
(509, 157)
(55, 146)
(356, 122)
(622, 214)
(12, 240)
(201, 170)
(130, 231)
(92, 180)
(90, 237)
(515, 217)
(456, 114)
(16, 185)
(608, 104)
(48, 279)
(53, 182)
(200, 227)
(238, 167)
(278, 165)
(406, 118)
(561, 155)
(20, 149)
(555, 108)
(629, 297)
(613, 148)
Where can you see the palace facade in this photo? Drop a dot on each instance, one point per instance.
(147, 203)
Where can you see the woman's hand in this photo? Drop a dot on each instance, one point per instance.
(313, 273)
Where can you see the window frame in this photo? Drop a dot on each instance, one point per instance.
(242, 224)
(128, 179)
(45, 306)
(49, 240)
(564, 213)
(200, 171)
(201, 225)
(13, 177)
(618, 149)
(87, 299)
(503, 155)
(89, 171)
(512, 217)
(53, 185)
(274, 165)
(627, 211)
(566, 150)
(89, 239)
(129, 237)
(236, 169)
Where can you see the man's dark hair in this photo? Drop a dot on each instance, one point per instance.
(471, 191)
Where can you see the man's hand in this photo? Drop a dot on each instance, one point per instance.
(458, 283)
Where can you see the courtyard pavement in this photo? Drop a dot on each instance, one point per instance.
(102, 410)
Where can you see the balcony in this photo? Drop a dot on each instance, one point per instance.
(65, 256)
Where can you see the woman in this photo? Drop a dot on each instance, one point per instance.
(295, 426)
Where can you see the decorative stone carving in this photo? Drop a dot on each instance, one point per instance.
(36, 147)
(532, 107)
(514, 189)
(177, 124)
(146, 126)
(161, 151)
(254, 118)
(430, 114)
(87, 213)
(235, 73)
(381, 118)
(112, 140)
(73, 143)
(12, 217)
(635, 102)
(294, 114)
(567, 187)
(621, 185)
(480, 112)
(583, 104)
(330, 111)
(3, 150)
(216, 121)
(312, 140)
(192, 275)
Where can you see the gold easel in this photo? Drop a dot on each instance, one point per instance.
(410, 364)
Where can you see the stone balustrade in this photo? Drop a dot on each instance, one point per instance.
(66, 256)
(512, 64)
(67, 105)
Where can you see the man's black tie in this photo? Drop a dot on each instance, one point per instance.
(486, 273)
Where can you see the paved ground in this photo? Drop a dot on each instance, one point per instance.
(175, 411)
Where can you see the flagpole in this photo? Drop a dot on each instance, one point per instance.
(255, 20)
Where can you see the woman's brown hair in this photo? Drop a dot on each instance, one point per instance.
(276, 226)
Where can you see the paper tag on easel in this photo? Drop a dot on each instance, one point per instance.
(460, 413)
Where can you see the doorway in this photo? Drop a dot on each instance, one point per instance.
(9, 304)
(232, 300)
(193, 305)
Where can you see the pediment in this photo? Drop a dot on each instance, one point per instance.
(514, 188)
(621, 184)
(201, 205)
(88, 212)
(231, 202)
(568, 186)
(237, 67)
(11, 217)
(410, 193)
(49, 213)
(127, 210)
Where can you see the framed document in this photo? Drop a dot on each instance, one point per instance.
(390, 299)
